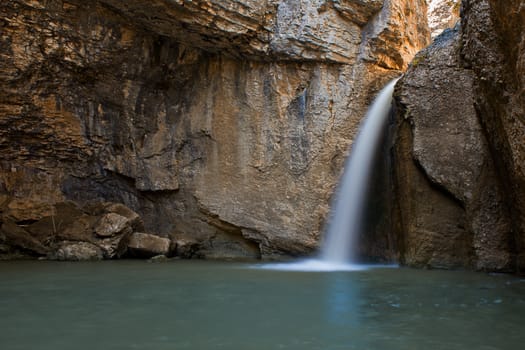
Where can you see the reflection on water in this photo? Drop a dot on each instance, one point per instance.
(340, 297)
(200, 305)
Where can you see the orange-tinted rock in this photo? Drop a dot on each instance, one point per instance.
(193, 113)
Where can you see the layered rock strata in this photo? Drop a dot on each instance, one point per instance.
(223, 124)
(460, 149)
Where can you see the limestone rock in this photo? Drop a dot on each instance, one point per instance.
(187, 248)
(148, 245)
(493, 48)
(70, 233)
(442, 14)
(316, 30)
(79, 229)
(77, 251)
(460, 145)
(21, 210)
(15, 237)
(360, 11)
(223, 121)
(396, 33)
(114, 247)
(112, 224)
(114, 231)
(159, 259)
(125, 215)
(447, 137)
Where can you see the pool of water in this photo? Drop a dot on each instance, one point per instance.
(204, 305)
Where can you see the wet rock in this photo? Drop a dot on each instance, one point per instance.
(80, 229)
(158, 259)
(146, 245)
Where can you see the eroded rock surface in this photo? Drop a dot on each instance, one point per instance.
(460, 145)
(450, 216)
(223, 124)
(494, 48)
(442, 14)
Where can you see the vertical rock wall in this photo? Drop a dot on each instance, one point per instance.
(459, 149)
(224, 124)
(442, 14)
(494, 48)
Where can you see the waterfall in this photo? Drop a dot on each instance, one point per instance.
(345, 223)
(347, 212)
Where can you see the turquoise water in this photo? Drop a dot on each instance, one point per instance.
(203, 305)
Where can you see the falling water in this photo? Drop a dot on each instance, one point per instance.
(346, 221)
(338, 252)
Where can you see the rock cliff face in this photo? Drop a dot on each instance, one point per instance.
(442, 14)
(224, 124)
(460, 150)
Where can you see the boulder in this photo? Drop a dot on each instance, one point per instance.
(187, 248)
(77, 251)
(80, 229)
(452, 207)
(158, 259)
(68, 231)
(127, 215)
(112, 224)
(15, 237)
(144, 245)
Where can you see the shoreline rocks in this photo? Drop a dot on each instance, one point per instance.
(96, 231)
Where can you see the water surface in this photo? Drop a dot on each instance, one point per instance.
(203, 305)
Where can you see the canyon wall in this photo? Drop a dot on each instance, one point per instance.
(442, 14)
(223, 124)
(460, 151)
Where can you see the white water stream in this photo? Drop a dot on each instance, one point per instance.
(346, 222)
(338, 251)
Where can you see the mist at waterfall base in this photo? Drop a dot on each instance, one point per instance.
(338, 249)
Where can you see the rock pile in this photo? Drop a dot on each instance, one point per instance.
(65, 231)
